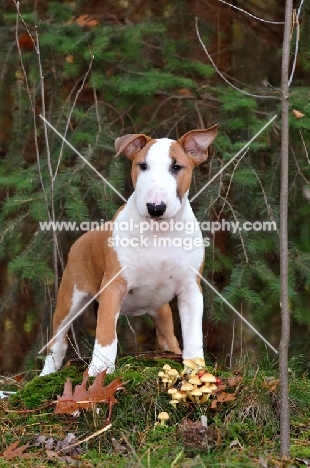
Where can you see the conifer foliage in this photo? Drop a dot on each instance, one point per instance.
(106, 75)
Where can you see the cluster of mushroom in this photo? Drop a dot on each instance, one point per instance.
(194, 384)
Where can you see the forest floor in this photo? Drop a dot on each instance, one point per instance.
(238, 426)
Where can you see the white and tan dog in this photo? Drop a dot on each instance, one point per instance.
(161, 174)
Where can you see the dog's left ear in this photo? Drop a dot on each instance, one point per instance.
(130, 144)
(196, 142)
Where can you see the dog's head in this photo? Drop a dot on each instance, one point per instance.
(162, 169)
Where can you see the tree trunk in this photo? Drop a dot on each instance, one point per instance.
(285, 316)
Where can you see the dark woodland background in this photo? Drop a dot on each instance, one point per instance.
(150, 75)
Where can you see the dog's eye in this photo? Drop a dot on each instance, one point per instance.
(143, 166)
(176, 168)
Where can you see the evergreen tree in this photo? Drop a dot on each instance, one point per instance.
(147, 75)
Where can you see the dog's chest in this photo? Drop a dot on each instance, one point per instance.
(154, 275)
(151, 294)
(157, 263)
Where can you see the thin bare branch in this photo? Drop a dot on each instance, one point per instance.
(97, 116)
(32, 105)
(269, 209)
(35, 45)
(133, 331)
(305, 147)
(239, 232)
(49, 163)
(221, 74)
(230, 181)
(201, 123)
(296, 21)
(299, 171)
(70, 115)
(250, 14)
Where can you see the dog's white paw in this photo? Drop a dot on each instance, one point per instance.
(49, 366)
(103, 358)
(95, 369)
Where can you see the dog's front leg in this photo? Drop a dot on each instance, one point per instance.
(190, 304)
(105, 348)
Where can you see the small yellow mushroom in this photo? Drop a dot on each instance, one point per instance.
(195, 380)
(163, 416)
(172, 392)
(206, 388)
(173, 375)
(166, 367)
(189, 365)
(179, 396)
(206, 392)
(196, 393)
(200, 363)
(208, 378)
(165, 381)
(187, 387)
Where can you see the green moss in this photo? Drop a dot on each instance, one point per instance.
(43, 389)
(300, 451)
(252, 419)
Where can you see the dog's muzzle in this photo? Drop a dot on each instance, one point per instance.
(155, 211)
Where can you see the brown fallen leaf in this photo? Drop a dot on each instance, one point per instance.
(80, 392)
(214, 404)
(83, 398)
(297, 114)
(233, 381)
(220, 388)
(65, 403)
(13, 451)
(224, 396)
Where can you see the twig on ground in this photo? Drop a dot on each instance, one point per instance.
(95, 434)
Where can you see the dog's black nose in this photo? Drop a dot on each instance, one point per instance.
(156, 210)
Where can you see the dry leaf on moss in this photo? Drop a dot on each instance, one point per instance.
(13, 451)
(84, 398)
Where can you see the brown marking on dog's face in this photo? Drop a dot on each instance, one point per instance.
(139, 160)
(181, 168)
